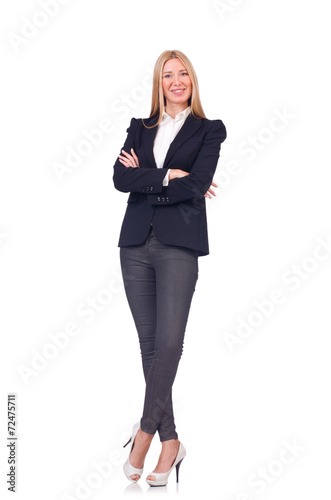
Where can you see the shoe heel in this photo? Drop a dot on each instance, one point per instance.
(177, 469)
(127, 442)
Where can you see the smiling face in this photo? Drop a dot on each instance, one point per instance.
(176, 83)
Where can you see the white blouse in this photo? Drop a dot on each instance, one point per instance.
(167, 130)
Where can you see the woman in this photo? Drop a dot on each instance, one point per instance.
(167, 164)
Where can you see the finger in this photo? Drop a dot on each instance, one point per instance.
(212, 192)
(135, 157)
(130, 158)
(214, 184)
(123, 158)
(125, 153)
(125, 163)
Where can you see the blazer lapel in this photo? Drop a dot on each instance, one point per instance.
(149, 139)
(190, 126)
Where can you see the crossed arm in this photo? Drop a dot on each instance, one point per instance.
(131, 160)
(129, 176)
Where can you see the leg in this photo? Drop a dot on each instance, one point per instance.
(140, 288)
(139, 284)
(176, 275)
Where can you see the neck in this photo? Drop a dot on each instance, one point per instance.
(173, 109)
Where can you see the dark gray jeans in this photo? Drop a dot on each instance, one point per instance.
(159, 282)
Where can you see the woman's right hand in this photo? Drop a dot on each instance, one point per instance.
(176, 173)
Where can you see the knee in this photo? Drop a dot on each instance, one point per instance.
(170, 352)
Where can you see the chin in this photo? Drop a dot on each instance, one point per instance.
(179, 100)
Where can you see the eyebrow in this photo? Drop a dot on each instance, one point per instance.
(171, 71)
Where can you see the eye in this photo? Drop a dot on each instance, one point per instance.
(184, 73)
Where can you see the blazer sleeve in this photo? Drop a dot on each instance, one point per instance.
(197, 183)
(143, 179)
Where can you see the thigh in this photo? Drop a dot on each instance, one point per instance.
(140, 288)
(176, 276)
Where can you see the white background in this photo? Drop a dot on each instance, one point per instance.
(237, 410)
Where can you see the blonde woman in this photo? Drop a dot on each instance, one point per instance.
(167, 165)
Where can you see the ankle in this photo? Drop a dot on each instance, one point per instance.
(144, 436)
(171, 443)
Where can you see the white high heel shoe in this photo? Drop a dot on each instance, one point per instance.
(161, 478)
(129, 470)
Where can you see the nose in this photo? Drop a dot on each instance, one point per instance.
(176, 80)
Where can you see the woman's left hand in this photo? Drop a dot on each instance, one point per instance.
(129, 160)
(210, 191)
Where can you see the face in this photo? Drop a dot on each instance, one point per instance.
(176, 83)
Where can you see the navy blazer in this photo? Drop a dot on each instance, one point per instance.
(177, 211)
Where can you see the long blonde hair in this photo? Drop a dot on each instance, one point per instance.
(158, 99)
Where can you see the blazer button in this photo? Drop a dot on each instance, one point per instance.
(167, 198)
(162, 198)
(158, 198)
(151, 188)
(143, 190)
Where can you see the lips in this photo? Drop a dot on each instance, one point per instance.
(178, 91)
